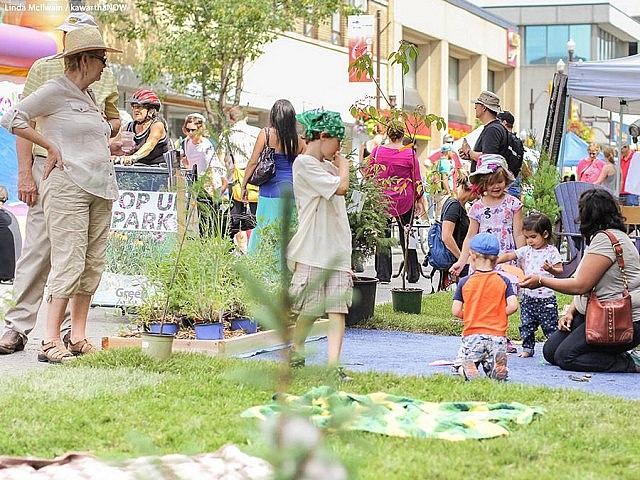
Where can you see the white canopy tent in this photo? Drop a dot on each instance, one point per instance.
(608, 84)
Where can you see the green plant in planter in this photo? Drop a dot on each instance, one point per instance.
(413, 120)
(204, 282)
(366, 213)
(543, 182)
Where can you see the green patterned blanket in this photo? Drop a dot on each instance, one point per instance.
(401, 416)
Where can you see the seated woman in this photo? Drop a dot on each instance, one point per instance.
(568, 347)
(150, 131)
(455, 223)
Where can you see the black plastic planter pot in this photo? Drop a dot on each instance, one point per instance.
(407, 300)
(364, 300)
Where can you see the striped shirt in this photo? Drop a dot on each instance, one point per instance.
(105, 90)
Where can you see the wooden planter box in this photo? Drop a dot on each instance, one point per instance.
(232, 346)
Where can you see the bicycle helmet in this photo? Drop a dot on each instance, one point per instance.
(145, 97)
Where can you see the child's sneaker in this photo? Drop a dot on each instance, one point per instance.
(469, 371)
(500, 370)
(510, 347)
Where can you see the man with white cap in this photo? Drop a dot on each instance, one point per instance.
(34, 264)
(493, 136)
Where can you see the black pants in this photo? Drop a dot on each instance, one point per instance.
(383, 264)
(570, 351)
(7, 248)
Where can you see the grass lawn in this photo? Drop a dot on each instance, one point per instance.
(436, 318)
(120, 404)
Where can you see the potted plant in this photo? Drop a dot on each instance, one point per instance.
(404, 299)
(368, 222)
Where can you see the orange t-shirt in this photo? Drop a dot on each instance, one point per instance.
(484, 295)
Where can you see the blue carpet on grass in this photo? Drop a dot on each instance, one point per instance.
(405, 353)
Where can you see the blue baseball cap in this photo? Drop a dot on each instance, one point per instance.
(485, 244)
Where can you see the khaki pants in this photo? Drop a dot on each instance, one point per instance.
(32, 269)
(77, 225)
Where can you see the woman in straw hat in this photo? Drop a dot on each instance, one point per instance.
(78, 185)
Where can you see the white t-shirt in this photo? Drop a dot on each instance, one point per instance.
(531, 260)
(323, 238)
(200, 154)
(242, 139)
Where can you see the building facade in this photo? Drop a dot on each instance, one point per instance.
(555, 32)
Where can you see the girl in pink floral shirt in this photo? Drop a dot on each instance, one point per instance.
(496, 212)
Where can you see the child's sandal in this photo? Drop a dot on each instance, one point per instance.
(83, 347)
(54, 352)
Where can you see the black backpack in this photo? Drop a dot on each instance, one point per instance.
(513, 153)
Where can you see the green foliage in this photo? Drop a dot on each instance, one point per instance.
(131, 253)
(200, 47)
(413, 120)
(198, 281)
(368, 225)
(542, 183)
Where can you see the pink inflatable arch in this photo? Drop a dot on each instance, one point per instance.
(21, 46)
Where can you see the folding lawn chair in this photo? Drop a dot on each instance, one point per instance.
(567, 195)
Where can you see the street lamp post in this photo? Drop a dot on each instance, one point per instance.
(560, 66)
(571, 48)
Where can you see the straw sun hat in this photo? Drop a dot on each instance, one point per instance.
(83, 40)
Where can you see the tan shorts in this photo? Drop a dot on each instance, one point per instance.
(77, 224)
(316, 291)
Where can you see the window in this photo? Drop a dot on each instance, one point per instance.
(608, 46)
(491, 81)
(336, 37)
(411, 78)
(360, 4)
(309, 30)
(546, 44)
(454, 78)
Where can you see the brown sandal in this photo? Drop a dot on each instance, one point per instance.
(82, 347)
(54, 352)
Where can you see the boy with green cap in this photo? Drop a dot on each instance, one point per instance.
(319, 253)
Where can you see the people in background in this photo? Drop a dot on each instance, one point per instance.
(151, 140)
(199, 152)
(283, 136)
(608, 175)
(379, 137)
(78, 185)
(589, 168)
(455, 220)
(492, 137)
(242, 138)
(398, 164)
(34, 264)
(626, 197)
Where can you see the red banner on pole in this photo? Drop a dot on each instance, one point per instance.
(360, 31)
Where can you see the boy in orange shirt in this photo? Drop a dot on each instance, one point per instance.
(483, 300)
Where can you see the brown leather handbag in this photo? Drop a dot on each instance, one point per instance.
(609, 322)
